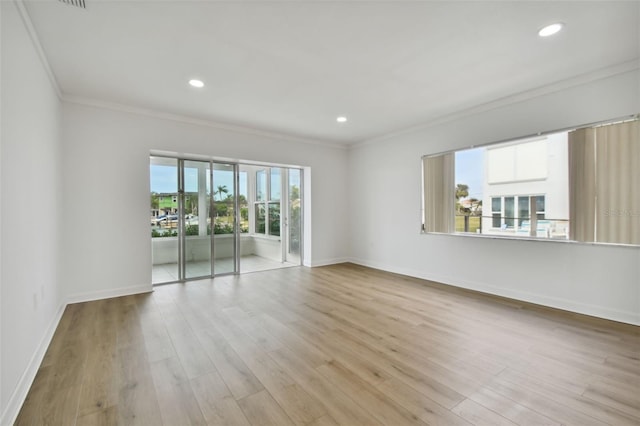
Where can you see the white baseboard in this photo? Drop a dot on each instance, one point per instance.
(107, 294)
(24, 384)
(552, 302)
(20, 393)
(325, 262)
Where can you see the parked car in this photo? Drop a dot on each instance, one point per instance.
(164, 219)
(158, 219)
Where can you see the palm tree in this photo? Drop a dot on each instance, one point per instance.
(222, 189)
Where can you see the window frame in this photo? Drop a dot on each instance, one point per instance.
(491, 211)
(265, 204)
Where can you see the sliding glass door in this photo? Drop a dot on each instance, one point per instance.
(225, 208)
(164, 219)
(293, 218)
(196, 219)
(193, 219)
(206, 214)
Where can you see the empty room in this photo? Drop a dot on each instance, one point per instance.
(319, 212)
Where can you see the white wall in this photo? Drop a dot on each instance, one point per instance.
(30, 163)
(106, 168)
(385, 178)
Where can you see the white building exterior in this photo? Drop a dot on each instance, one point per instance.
(514, 172)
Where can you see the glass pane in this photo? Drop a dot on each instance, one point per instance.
(295, 222)
(197, 244)
(509, 211)
(523, 209)
(496, 204)
(497, 219)
(163, 177)
(261, 185)
(274, 219)
(224, 219)
(540, 207)
(243, 203)
(260, 215)
(276, 185)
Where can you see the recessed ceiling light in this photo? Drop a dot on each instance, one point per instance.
(341, 119)
(550, 29)
(196, 83)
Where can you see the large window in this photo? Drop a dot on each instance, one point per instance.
(580, 184)
(267, 203)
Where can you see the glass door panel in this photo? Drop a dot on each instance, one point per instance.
(201, 209)
(197, 241)
(163, 179)
(224, 219)
(293, 252)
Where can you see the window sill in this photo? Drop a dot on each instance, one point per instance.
(265, 237)
(531, 239)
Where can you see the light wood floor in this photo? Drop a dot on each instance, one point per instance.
(340, 345)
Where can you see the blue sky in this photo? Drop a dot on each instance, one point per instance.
(470, 170)
(164, 179)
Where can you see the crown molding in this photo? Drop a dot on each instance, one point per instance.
(523, 96)
(35, 40)
(147, 112)
(484, 107)
(33, 35)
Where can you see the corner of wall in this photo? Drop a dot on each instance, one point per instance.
(20, 392)
(108, 294)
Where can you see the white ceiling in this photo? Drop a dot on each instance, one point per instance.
(294, 66)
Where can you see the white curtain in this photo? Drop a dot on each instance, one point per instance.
(439, 193)
(604, 183)
(582, 185)
(618, 183)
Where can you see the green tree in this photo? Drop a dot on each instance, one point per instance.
(221, 209)
(295, 193)
(462, 191)
(222, 189)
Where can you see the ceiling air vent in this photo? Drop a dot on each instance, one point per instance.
(76, 3)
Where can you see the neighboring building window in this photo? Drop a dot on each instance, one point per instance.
(507, 219)
(496, 212)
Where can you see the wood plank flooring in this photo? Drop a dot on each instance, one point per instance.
(336, 345)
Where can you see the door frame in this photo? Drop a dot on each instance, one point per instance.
(284, 211)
